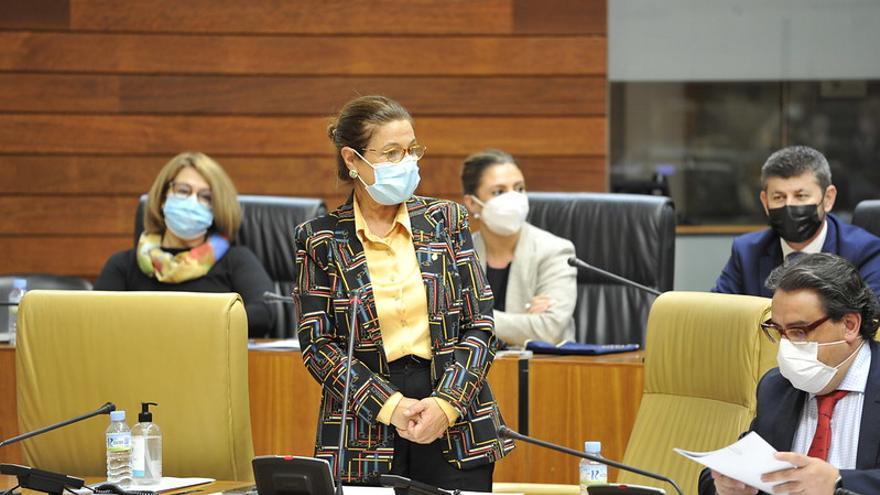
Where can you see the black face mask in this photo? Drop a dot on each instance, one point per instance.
(796, 223)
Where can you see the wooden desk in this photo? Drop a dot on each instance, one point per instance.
(7, 482)
(570, 400)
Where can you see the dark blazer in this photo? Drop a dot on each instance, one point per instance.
(331, 262)
(756, 254)
(779, 412)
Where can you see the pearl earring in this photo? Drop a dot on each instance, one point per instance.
(352, 173)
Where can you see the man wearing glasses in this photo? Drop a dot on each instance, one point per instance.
(821, 407)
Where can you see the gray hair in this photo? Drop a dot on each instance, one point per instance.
(838, 284)
(794, 161)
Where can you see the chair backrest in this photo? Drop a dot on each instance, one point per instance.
(867, 216)
(267, 224)
(629, 235)
(186, 351)
(37, 281)
(703, 359)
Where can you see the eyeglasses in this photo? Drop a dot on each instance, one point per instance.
(182, 190)
(798, 333)
(396, 153)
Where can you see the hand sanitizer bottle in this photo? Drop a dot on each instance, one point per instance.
(146, 456)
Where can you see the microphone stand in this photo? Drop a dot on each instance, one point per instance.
(508, 433)
(47, 481)
(355, 301)
(105, 409)
(270, 296)
(579, 263)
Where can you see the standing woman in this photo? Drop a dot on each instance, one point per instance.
(420, 406)
(535, 288)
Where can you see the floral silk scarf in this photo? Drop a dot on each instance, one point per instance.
(176, 268)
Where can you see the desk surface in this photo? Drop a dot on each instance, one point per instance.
(571, 399)
(7, 482)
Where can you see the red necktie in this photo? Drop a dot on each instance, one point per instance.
(822, 438)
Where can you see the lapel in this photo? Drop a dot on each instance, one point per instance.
(770, 258)
(788, 404)
(429, 239)
(869, 431)
(521, 271)
(831, 236)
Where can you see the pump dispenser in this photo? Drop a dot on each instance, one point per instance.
(146, 456)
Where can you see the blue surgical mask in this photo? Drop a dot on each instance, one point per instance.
(393, 183)
(187, 218)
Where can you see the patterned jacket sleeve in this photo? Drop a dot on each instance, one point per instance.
(323, 345)
(475, 350)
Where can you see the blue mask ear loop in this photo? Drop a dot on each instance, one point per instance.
(367, 162)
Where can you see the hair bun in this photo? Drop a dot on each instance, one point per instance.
(331, 131)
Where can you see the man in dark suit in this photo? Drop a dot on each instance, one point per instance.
(797, 195)
(821, 407)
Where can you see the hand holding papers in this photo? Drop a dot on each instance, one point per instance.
(745, 461)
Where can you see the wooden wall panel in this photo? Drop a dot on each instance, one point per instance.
(285, 95)
(102, 134)
(94, 99)
(300, 17)
(324, 55)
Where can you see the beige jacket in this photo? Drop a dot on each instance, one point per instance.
(539, 267)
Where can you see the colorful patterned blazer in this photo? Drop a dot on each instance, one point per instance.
(331, 263)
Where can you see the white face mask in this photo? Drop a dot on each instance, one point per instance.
(799, 363)
(506, 213)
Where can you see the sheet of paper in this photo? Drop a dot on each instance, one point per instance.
(166, 484)
(745, 460)
(275, 345)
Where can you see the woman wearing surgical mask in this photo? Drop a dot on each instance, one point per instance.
(191, 217)
(535, 289)
(420, 406)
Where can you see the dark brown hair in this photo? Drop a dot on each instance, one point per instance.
(476, 164)
(357, 120)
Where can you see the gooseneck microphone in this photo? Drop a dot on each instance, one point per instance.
(508, 433)
(270, 296)
(354, 303)
(105, 409)
(579, 263)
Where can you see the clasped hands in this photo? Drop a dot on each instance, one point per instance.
(419, 421)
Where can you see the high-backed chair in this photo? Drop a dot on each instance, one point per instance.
(627, 234)
(703, 359)
(37, 281)
(185, 351)
(267, 224)
(867, 216)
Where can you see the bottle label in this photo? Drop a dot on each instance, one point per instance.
(139, 457)
(594, 474)
(119, 442)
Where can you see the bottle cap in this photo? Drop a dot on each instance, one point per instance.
(593, 447)
(146, 416)
(117, 416)
(19, 283)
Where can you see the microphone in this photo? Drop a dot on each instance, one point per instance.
(354, 303)
(508, 433)
(270, 296)
(579, 263)
(105, 409)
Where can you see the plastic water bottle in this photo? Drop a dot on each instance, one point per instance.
(19, 287)
(592, 473)
(118, 450)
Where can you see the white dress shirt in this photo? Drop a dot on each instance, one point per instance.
(846, 419)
